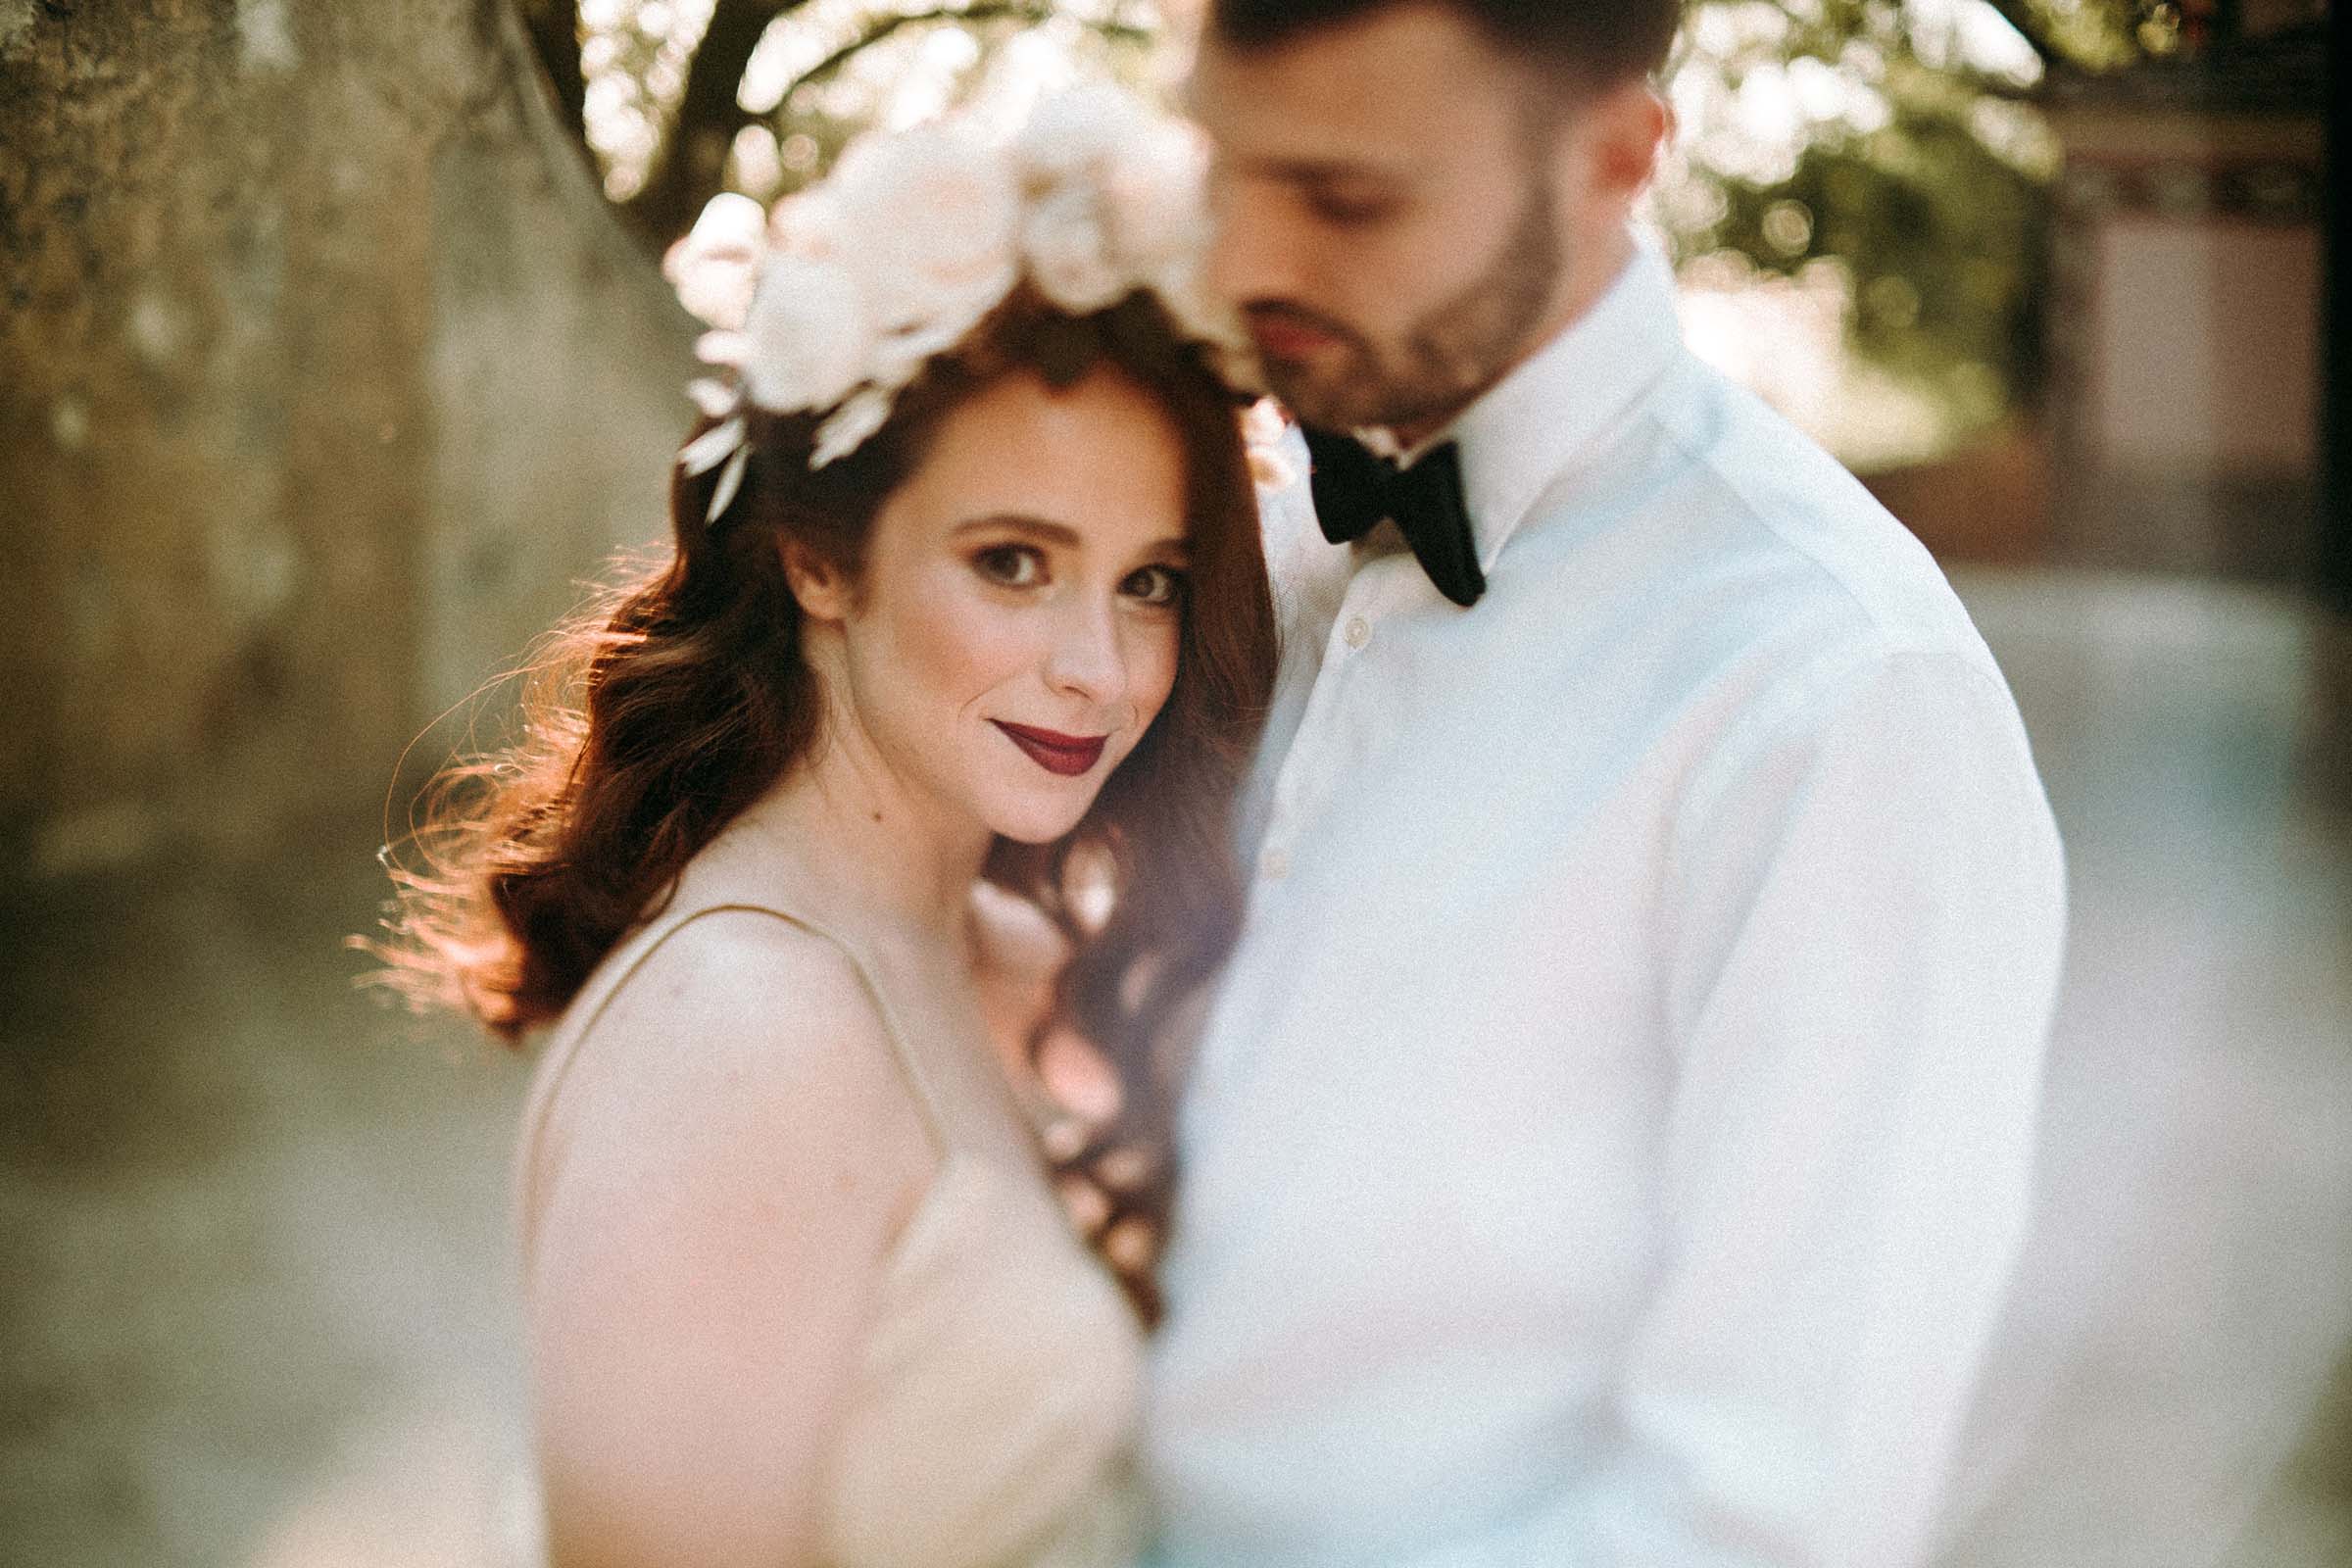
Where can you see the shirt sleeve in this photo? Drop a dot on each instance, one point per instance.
(1864, 921)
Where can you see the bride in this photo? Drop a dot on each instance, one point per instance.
(966, 588)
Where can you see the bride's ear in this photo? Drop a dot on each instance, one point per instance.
(821, 590)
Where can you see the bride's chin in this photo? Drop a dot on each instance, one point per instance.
(1033, 833)
(1043, 827)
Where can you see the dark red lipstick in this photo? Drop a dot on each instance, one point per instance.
(1066, 755)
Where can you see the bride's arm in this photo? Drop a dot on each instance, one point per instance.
(729, 1160)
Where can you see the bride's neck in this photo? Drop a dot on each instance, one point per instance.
(871, 837)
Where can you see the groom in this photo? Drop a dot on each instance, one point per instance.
(1611, 1139)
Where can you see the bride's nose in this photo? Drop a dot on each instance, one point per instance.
(1086, 658)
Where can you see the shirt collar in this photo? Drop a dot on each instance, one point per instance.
(1527, 430)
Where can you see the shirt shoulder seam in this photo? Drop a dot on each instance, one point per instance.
(1700, 458)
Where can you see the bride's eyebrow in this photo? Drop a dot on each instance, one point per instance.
(1058, 533)
(1175, 546)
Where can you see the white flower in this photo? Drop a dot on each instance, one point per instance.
(715, 398)
(1115, 197)
(730, 481)
(839, 298)
(713, 446)
(806, 343)
(1072, 131)
(851, 424)
(900, 356)
(1153, 197)
(713, 266)
(1068, 253)
(725, 349)
(808, 223)
(929, 214)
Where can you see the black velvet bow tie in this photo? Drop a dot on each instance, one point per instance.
(1354, 489)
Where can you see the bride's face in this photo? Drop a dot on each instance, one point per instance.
(1016, 631)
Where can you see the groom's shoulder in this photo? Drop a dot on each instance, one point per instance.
(1765, 517)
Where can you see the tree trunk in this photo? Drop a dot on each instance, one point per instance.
(324, 373)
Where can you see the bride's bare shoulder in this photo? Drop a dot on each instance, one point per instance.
(731, 1157)
(746, 976)
(742, 1039)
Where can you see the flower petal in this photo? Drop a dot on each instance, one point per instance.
(712, 266)
(722, 348)
(708, 449)
(717, 399)
(730, 481)
(846, 431)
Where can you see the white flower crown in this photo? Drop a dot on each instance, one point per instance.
(837, 298)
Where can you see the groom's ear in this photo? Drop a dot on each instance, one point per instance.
(1625, 130)
(822, 589)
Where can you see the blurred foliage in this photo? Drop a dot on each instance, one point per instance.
(1888, 141)
(2105, 35)
(2109, 34)
(1891, 142)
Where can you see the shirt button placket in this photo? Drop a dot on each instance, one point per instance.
(1274, 860)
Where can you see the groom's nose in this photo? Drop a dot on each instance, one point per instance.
(1254, 251)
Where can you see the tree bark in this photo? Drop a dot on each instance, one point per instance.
(324, 374)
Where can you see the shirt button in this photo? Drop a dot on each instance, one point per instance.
(1274, 864)
(1358, 631)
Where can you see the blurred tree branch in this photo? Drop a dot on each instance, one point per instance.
(980, 11)
(694, 156)
(690, 165)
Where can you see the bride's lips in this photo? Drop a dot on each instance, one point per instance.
(1066, 755)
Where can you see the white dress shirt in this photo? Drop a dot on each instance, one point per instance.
(1611, 1139)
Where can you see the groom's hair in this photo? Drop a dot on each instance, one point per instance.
(1598, 44)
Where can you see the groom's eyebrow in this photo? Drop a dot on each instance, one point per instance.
(1326, 171)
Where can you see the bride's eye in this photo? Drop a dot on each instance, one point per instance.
(1155, 585)
(1011, 565)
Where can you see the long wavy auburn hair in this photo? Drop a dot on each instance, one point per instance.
(655, 716)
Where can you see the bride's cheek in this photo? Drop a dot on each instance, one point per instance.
(967, 644)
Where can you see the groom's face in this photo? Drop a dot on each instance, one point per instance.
(1389, 211)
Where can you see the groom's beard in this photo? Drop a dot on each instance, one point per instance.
(1451, 354)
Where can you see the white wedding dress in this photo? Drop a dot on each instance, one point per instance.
(992, 1421)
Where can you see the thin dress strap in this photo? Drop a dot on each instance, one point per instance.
(620, 967)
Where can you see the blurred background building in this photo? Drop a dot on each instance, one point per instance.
(334, 359)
